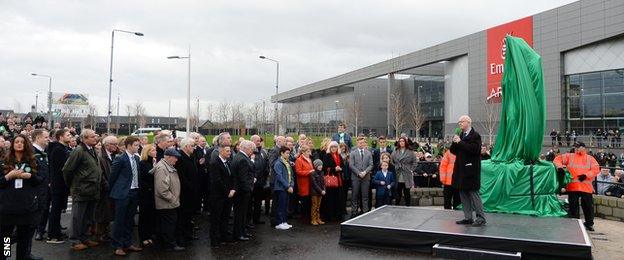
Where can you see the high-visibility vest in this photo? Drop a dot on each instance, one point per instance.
(579, 165)
(446, 168)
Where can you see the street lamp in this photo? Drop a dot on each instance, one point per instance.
(36, 101)
(276, 89)
(110, 76)
(188, 90)
(49, 96)
(336, 114)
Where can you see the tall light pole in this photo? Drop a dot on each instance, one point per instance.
(336, 114)
(49, 96)
(117, 131)
(188, 90)
(197, 122)
(36, 101)
(110, 76)
(276, 91)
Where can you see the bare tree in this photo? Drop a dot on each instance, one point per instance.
(488, 120)
(397, 107)
(417, 116)
(223, 113)
(210, 112)
(354, 114)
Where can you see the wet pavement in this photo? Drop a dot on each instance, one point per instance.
(303, 241)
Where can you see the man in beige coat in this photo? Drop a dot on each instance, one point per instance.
(167, 197)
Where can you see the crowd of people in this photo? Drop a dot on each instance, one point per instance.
(608, 138)
(169, 183)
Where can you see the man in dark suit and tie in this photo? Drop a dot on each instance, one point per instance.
(383, 148)
(124, 185)
(243, 175)
(467, 171)
(221, 193)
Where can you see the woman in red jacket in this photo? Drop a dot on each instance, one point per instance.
(303, 168)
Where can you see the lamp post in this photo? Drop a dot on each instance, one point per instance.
(336, 114)
(49, 96)
(188, 90)
(36, 101)
(110, 76)
(276, 90)
(197, 122)
(117, 131)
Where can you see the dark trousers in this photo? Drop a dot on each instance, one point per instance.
(167, 219)
(148, 221)
(259, 195)
(382, 200)
(125, 209)
(184, 226)
(44, 214)
(587, 203)
(241, 205)
(219, 214)
(274, 198)
(82, 217)
(205, 192)
(282, 206)
(306, 205)
(451, 197)
(58, 203)
(23, 239)
(471, 201)
(402, 190)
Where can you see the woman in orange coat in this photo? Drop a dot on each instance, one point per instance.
(303, 168)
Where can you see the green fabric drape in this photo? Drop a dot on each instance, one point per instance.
(515, 180)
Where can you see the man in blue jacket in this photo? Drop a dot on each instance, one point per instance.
(342, 136)
(124, 184)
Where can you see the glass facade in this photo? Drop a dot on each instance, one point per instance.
(429, 91)
(595, 101)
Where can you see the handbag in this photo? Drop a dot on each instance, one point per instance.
(331, 181)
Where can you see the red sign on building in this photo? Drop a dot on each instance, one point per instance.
(496, 48)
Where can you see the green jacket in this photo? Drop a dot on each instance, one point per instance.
(82, 173)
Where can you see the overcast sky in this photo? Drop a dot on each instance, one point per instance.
(313, 40)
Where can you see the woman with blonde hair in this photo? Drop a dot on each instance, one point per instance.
(332, 207)
(320, 153)
(147, 206)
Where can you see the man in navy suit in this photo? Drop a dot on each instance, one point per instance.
(124, 185)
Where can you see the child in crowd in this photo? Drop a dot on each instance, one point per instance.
(384, 181)
(317, 192)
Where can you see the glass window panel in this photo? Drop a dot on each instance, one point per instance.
(614, 105)
(575, 107)
(592, 83)
(592, 106)
(613, 81)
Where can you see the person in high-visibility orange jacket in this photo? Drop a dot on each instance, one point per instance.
(583, 168)
(451, 195)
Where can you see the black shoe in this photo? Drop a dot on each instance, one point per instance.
(589, 228)
(464, 222)
(32, 257)
(38, 236)
(248, 235)
(479, 223)
(242, 238)
(63, 228)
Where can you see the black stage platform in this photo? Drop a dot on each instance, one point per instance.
(419, 229)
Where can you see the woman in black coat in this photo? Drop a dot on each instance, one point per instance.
(147, 209)
(19, 183)
(332, 206)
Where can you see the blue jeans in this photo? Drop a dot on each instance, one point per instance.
(125, 209)
(282, 206)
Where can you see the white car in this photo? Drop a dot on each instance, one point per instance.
(145, 131)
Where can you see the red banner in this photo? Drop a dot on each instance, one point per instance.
(496, 48)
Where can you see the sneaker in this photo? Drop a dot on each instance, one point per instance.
(38, 236)
(54, 240)
(288, 225)
(282, 227)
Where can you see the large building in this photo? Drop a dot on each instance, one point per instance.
(582, 50)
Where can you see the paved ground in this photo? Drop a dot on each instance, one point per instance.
(301, 242)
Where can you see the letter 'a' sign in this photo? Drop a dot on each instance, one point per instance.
(496, 48)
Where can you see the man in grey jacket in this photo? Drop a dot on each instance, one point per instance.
(167, 197)
(361, 165)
